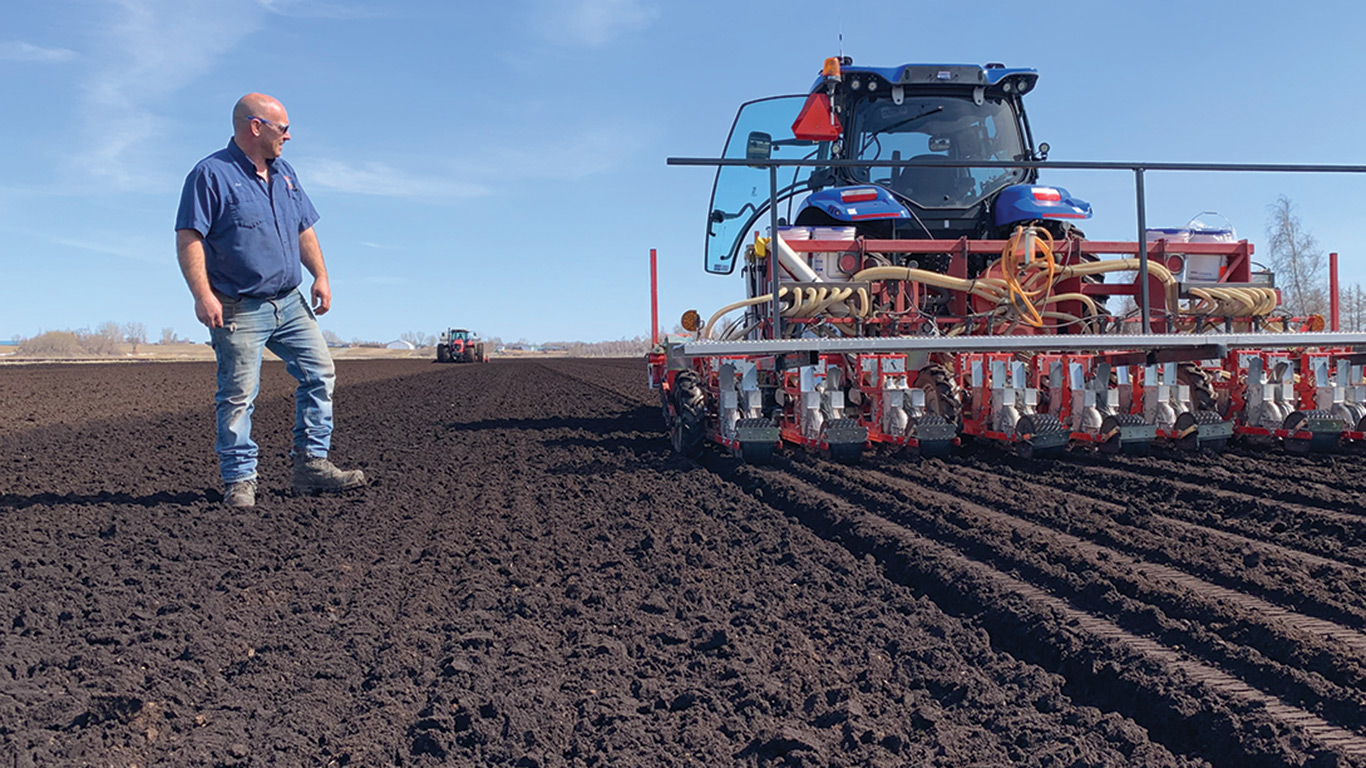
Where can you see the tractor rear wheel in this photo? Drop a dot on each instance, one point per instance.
(443, 355)
(690, 415)
(943, 398)
(1203, 397)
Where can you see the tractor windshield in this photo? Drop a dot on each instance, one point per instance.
(937, 127)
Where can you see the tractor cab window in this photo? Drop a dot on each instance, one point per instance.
(930, 128)
(740, 196)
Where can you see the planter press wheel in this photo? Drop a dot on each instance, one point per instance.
(1114, 445)
(1192, 442)
(1319, 443)
(1032, 424)
(843, 453)
(756, 453)
(931, 449)
(936, 449)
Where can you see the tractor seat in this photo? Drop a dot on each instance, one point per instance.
(929, 186)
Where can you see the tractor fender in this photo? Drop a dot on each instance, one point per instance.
(1031, 202)
(864, 202)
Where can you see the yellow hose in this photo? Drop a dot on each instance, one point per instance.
(976, 287)
(706, 329)
(1024, 289)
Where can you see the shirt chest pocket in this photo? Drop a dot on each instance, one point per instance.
(250, 211)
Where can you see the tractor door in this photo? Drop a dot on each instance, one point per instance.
(740, 195)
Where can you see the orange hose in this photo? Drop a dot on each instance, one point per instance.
(1011, 269)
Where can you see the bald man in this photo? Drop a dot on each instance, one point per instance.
(243, 230)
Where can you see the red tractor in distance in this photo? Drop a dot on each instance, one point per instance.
(458, 345)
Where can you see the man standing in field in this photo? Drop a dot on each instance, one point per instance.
(243, 229)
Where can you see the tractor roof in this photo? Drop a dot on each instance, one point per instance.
(940, 74)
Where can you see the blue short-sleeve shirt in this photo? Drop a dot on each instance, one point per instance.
(250, 227)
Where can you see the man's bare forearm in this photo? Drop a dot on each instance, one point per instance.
(189, 247)
(311, 253)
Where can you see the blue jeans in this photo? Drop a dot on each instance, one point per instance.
(286, 326)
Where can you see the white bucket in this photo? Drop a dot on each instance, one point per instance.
(1202, 232)
(794, 233)
(1200, 268)
(1204, 267)
(833, 233)
(1170, 234)
(827, 264)
(1208, 268)
(1213, 235)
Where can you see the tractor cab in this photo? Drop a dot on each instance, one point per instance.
(930, 115)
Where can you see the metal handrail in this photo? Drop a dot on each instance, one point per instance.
(1138, 169)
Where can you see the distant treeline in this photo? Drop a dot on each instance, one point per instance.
(621, 348)
(111, 339)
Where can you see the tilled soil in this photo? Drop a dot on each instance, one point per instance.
(534, 579)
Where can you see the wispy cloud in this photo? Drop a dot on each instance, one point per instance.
(383, 180)
(152, 49)
(320, 9)
(21, 51)
(570, 156)
(594, 22)
(135, 248)
(567, 157)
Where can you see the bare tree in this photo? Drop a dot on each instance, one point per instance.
(416, 338)
(104, 341)
(1352, 308)
(53, 344)
(1297, 260)
(168, 336)
(135, 334)
(332, 338)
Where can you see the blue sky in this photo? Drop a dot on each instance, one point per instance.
(501, 166)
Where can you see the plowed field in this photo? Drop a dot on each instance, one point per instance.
(534, 579)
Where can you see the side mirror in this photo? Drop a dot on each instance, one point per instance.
(759, 146)
(1043, 151)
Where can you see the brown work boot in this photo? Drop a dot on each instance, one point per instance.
(313, 474)
(241, 494)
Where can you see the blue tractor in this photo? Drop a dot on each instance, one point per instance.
(926, 114)
(942, 292)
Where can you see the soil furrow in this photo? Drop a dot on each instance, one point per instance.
(1287, 576)
(962, 581)
(1315, 535)
(1310, 485)
(1233, 540)
(1106, 537)
(1126, 590)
